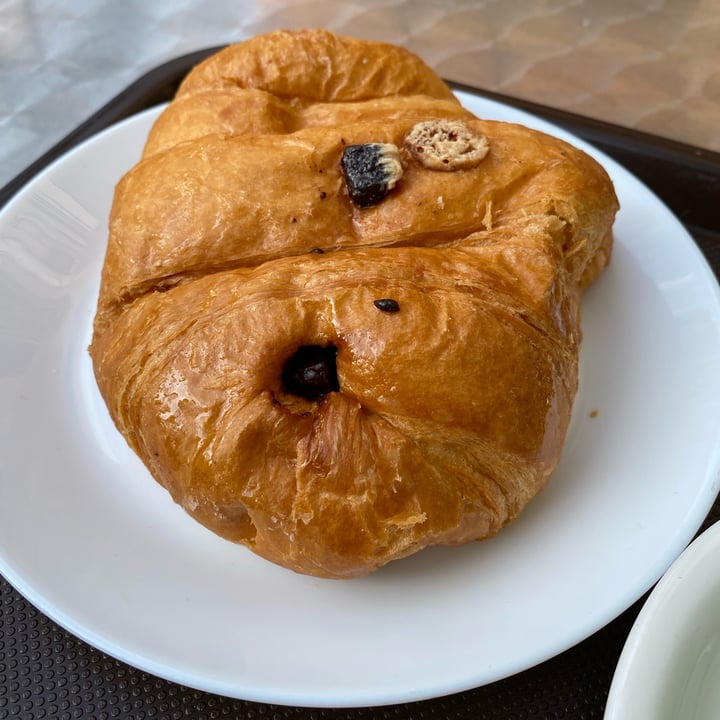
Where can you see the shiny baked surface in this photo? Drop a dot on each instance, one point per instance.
(234, 246)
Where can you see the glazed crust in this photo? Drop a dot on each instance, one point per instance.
(450, 414)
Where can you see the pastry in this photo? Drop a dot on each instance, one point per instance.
(339, 316)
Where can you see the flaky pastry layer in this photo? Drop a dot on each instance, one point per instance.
(443, 317)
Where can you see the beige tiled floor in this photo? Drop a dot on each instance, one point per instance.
(647, 64)
(654, 66)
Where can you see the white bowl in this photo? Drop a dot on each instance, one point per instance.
(670, 666)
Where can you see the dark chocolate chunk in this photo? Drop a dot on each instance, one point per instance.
(371, 171)
(310, 372)
(387, 305)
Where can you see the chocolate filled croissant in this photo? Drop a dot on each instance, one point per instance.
(339, 314)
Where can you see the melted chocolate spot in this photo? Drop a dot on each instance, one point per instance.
(311, 372)
(387, 305)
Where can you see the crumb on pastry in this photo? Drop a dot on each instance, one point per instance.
(446, 144)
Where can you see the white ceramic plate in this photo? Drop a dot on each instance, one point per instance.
(89, 538)
(670, 666)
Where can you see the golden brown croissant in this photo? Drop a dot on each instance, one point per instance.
(339, 315)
